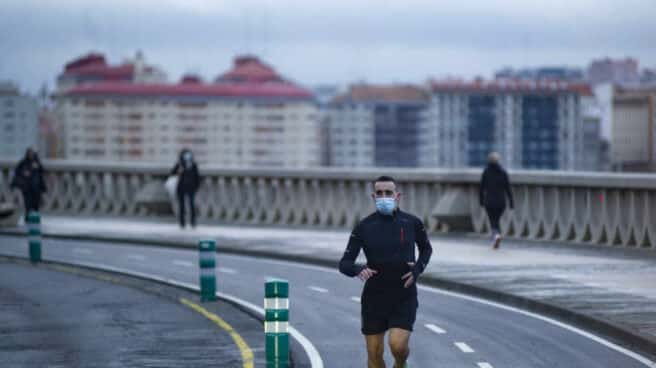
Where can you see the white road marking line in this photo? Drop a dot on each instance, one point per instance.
(464, 347)
(310, 349)
(82, 251)
(485, 365)
(138, 257)
(227, 270)
(178, 262)
(318, 289)
(356, 299)
(645, 361)
(434, 328)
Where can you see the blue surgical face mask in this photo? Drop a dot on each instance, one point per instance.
(385, 205)
(187, 156)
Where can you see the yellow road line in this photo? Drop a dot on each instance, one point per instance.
(246, 352)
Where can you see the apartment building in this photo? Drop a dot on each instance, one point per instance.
(19, 125)
(617, 71)
(633, 145)
(532, 124)
(248, 116)
(374, 125)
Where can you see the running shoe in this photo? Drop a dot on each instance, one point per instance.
(497, 241)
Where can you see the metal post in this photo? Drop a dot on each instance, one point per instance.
(207, 263)
(276, 323)
(34, 236)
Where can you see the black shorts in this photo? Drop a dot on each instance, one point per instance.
(379, 315)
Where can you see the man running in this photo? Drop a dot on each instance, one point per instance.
(389, 298)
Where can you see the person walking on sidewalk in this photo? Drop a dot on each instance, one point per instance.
(188, 184)
(389, 297)
(28, 177)
(494, 188)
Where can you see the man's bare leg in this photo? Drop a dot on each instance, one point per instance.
(398, 342)
(375, 349)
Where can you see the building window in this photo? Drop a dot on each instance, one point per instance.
(94, 103)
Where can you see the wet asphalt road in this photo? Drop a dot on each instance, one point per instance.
(450, 331)
(55, 318)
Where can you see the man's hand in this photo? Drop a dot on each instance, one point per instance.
(365, 274)
(408, 277)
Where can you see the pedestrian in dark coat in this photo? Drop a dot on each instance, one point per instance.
(29, 178)
(188, 184)
(494, 188)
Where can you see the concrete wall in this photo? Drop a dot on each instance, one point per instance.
(598, 208)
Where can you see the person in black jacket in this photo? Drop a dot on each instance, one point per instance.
(389, 297)
(28, 177)
(188, 184)
(494, 188)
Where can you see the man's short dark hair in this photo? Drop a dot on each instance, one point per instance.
(385, 178)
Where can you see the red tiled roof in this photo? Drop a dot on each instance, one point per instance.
(249, 69)
(190, 79)
(95, 65)
(90, 59)
(190, 89)
(399, 93)
(121, 72)
(510, 86)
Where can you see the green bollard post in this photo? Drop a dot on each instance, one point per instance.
(276, 323)
(34, 236)
(207, 263)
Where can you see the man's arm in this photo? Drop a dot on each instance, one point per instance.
(511, 200)
(196, 178)
(347, 264)
(481, 190)
(42, 174)
(425, 249)
(17, 180)
(174, 170)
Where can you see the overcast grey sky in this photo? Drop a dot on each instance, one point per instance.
(325, 41)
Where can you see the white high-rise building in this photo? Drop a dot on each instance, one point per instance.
(19, 126)
(351, 135)
(633, 145)
(533, 125)
(249, 116)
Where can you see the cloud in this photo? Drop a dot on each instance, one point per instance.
(324, 41)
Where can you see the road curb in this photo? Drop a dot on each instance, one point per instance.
(48, 263)
(645, 345)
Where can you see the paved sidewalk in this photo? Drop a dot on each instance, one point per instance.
(609, 290)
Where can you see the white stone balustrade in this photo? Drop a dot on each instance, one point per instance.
(598, 208)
